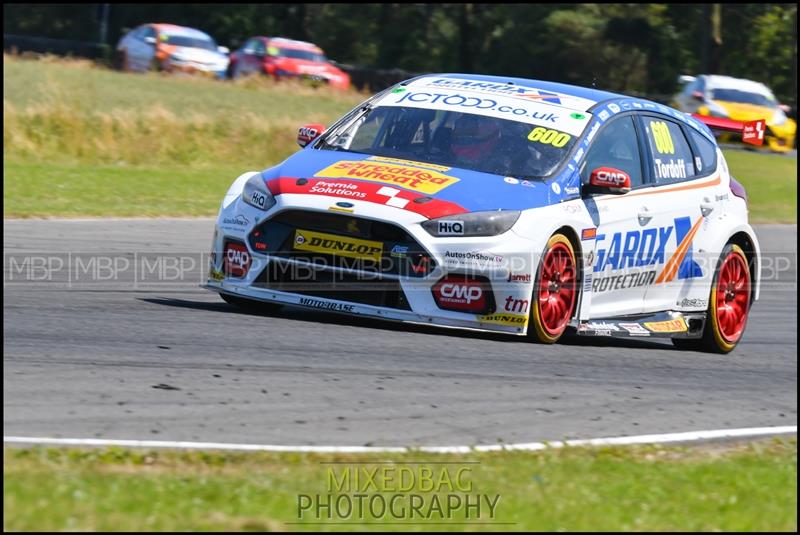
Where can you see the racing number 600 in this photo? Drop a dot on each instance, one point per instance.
(662, 137)
(549, 137)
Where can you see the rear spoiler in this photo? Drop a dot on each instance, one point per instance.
(752, 131)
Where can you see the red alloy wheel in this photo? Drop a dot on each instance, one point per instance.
(556, 289)
(733, 297)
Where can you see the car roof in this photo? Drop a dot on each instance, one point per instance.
(588, 94)
(292, 43)
(714, 81)
(174, 29)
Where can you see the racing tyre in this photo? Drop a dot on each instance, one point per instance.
(728, 305)
(250, 305)
(555, 291)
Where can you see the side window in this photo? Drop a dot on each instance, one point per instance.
(259, 48)
(250, 46)
(148, 32)
(672, 158)
(617, 146)
(705, 159)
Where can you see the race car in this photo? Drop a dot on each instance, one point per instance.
(740, 100)
(171, 48)
(504, 205)
(286, 58)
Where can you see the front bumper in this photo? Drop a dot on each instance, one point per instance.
(503, 267)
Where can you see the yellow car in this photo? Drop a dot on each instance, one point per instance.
(739, 100)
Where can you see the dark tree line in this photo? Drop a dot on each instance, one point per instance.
(634, 48)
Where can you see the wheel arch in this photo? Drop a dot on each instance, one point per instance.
(750, 248)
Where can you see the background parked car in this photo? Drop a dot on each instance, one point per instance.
(171, 48)
(286, 58)
(740, 100)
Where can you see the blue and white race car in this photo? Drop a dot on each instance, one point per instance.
(500, 204)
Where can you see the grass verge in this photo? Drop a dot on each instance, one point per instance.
(729, 487)
(85, 141)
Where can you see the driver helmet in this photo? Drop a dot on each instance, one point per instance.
(474, 137)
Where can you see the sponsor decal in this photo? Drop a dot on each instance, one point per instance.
(528, 184)
(455, 257)
(514, 320)
(634, 329)
(306, 134)
(692, 303)
(413, 178)
(238, 221)
(614, 108)
(259, 199)
(572, 190)
(670, 326)
(643, 250)
(511, 304)
(608, 176)
(319, 242)
(556, 188)
(446, 100)
(637, 105)
(526, 277)
(578, 155)
(344, 204)
(578, 116)
(592, 132)
(501, 89)
(450, 228)
(511, 180)
(235, 260)
(326, 305)
(399, 251)
(753, 132)
(460, 293)
(215, 274)
(604, 115)
(589, 233)
(598, 326)
(587, 282)
(337, 189)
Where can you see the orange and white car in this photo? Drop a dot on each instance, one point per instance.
(171, 48)
(286, 58)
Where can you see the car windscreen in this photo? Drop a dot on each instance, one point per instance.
(744, 97)
(190, 42)
(456, 139)
(301, 54)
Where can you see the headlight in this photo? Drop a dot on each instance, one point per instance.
(255, 193)
(779, 117)
(474, 224)
(715, 110)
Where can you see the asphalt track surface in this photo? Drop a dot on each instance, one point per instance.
(134, 358)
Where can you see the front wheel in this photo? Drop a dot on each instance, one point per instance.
(728, 304)
(555, 291)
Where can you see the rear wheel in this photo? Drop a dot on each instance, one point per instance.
(555, 291)
(728, 304)
(250, 305)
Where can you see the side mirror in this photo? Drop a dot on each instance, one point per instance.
(698, 95)
(150, 40)
(223, 50)
(308, 133)
(608, 180)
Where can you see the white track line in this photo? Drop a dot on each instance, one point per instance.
(531, 446)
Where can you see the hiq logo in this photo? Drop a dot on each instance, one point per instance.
(647, 247)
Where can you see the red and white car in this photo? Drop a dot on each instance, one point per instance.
(505, 205)
(286, 58)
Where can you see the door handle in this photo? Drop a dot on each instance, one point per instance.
(644, 215)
